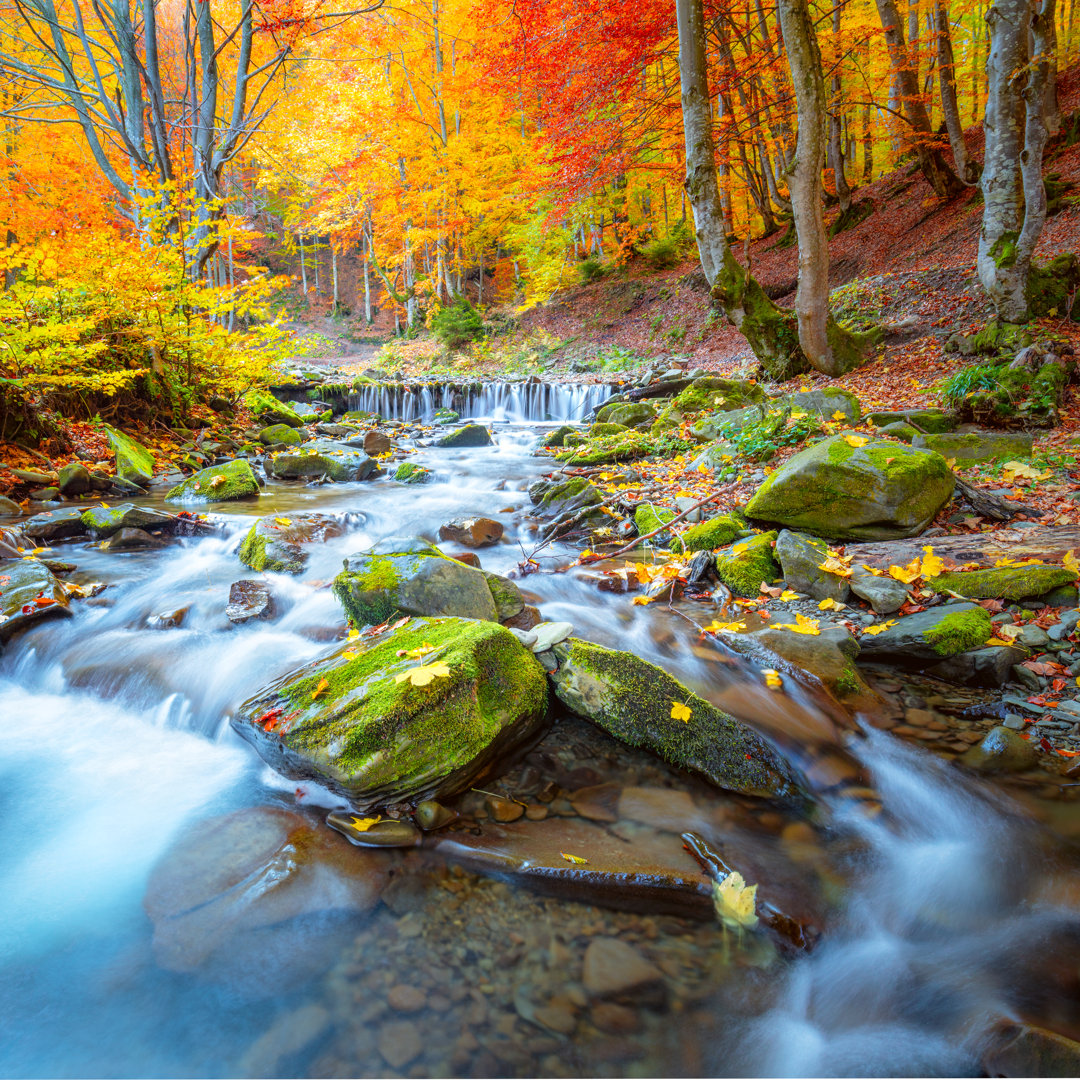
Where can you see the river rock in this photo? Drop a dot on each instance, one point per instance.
(29, 592)
(473, 532)
(9, 507)
(1001, 750)
(1033, 1051)
(932, 420)
(319, 458)
(509, 603)
(884, 594)
(469, 435)
(277, 434)
(312, 410)
(131, 540)
(399, 1042)
(54, 525)
(934, 634)
(614, 969)
(348, 723)
(825, 403)
(631, 414)
(978, 445)
(1010, 583)
(290, 1033)
(219, 483)
(408, 576)
(800, 558)
(375, 442)
(747, 564)
(387, 833)
(134, 463)
(633, 700)
(408, 472)
(255, 895)
(876, 491)
(249, 599)
(269, 410)
(277, 543)
(989, 667)
(715, 532)
(712, 392)
(558, 497)
(104, 521)
(74, 480)
(546, 635)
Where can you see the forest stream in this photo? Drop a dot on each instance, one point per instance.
(172, 906)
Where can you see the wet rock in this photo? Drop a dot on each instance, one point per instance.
(978, 445)
(825, 403)
(312, 410)
(597, 803)
(469, 558)
(45, 495)
(134, 463)
(989, 667)
(473, 532)
(615, 1019)
(33, 476)
(74, 480)
(219, 483)
(549, 634)
(322, 458)
(1001, 750)
(347, 722)
(131, 540)
(431, 815)
(410, 473)
(614, 969)
(269, 410)
(1032, 1051)
(560, 497)
(256, 895)
(167, 620)
(653, 874)
(375, 442)
(54, 525)
(633, 700)
(408, 576)
(528, 618)
(662, 808)
(104, 521)
(934, 634)
(932, 420)
(280, 434)
(399, 1042)
(747, 564)
(406, 999)
(388, 833)
(277, 543)
(8, 507)
(507, 596)
(876, 491)
(249, 599)
(29, 592)
(503, 810)
(800, 558)
(633, 414)
(469, 435)
(884, 594)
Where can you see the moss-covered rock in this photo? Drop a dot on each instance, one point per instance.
(899, 430)
(632, 700)
(801, 557)
(606, 429)
(407, 576)
(825, 403)
(716, 532)
(648, 517)
(712, 392)
(219, 483)
(1003, 582)
(30, 593)
(558, 495)
(607, 449)
(280, 433)
(103, 521)
(269, 410)
(558, 436)
(507, 596)
(934, 421)
(277, 543)
(469, 435)
(630, 414)
(134, 463)
(322, 457)
(978, 445)
(345, 721)
(874, 491)
(934, 634)
(408, 472)
(744, 565)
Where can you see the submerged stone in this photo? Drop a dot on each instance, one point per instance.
(249, 599)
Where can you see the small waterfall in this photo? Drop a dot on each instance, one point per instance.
(522, 401)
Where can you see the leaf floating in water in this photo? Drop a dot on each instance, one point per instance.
(424, 674)
(735, 901)
(323, 684)
(679, 711)
(772, 678)
(577, 860)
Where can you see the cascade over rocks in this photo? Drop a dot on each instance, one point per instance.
(348, 723)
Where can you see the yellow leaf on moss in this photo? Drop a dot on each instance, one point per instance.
(856, 440)
(679, 711)
(320, 688)
(424, 674)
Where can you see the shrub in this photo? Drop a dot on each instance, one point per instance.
(970, 380)
(457, 324)
(593, 270)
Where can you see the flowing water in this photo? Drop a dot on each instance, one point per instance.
(946, 914)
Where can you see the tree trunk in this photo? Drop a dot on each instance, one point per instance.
(303, 265)
(868, 146)
(938, 174)
(836, 151)
(966, 168)
(1051, 108)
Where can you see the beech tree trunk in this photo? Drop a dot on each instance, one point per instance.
(836, 152)
(966, 168)
(938, 174)
(1013, 193)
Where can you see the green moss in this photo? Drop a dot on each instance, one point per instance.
(607, 449)
(269, 410)
(746, 564)
(715, 533)
(606, 429)
(848, 682)
(711, 393)
(1051, 287)
(134, 462)
(219, 483)
(1003, 250)
(381, 574)
(648, 517)
(959, 632)
(629, 414)
(558, 436)
(253, 549)
(850, 347)
(279, 433)
(1004, 583)
(409, 472)
(261, 552)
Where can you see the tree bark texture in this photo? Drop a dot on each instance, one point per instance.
(836, 152)
(966, 168)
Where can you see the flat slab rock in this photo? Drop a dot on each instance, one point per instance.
(654, 873)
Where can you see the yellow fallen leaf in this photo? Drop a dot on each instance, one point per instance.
(586, 554)
(856, 440)
(789, 594)
(1070, 562)
(1011, 470)
(906, 574)
(801, 625)
(880, 628)
(362, 824)
(577, 860)
(772, 678)
(873, 570)
(217, 481)
(1017, 562)
(679, 711)
(282, 521)
(641, 601)
(832, 565)
(424, 674)
(829, 604)
(724, 627)
(735, 901)
(931, 565)
(323, 684)
(839, 415)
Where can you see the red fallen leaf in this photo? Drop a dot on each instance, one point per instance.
(1045, 744)
(1058, 685)
(995, 607)
(1068, 753)
(269, 719)
(44, 601)
(1038, 699)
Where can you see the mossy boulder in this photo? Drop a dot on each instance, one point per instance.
(934, 634)
(53, 525)
(934, 421)
(219, 483)
(319, 458)
(73, 480)
(277, 543)
(800, 558)
(877, 490)
(606, 429)
(408, 472)
(632, 700)
(715, 532)
(312, 411)
(507, 596)
(608, 449)
(558, 496)
(1010, 583)
(134, 463)
(630, 414)
(269, 410)
(825, 403)
(346, 722)
(744, 565)
(103, 521)
(275, 434)
(712, 392)
(978, 445)
(408, 576)
(648, 517)
(899, 430)
(558, 436)
(445, 416)
(469, 435)
(30, 593)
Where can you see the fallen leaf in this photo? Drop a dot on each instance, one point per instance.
(801, 625)
(282, 521)
(735, 901)
(772, 678)
(362, 824)
(323, 684)
(833, 565)
(931, 565)
(856, 440)
(424, 674)
(724, 627)
(829, 604)
(1070, 562)
(906, 574)
(879, 628)
(577, 860)
(679, 711)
